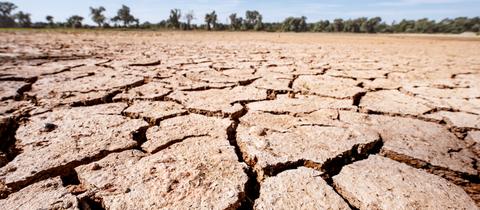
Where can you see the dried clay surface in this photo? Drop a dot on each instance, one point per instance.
(176, 120)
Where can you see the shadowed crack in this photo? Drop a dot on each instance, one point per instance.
(252, 190)
(108, 98)
(332, 166)
(89, 74)
(70, 178)
(252, 186)
(172, 142)
(91, 202)
(63, 70)
(152, 121)
(358, 152)
(202, 88)
(103, 62)
(247, 82)
(154, 63)
(140, 136)
(22, 79)
(416, 117)
(8, 129)
(335, 165)
(290, 84)
(357, 98)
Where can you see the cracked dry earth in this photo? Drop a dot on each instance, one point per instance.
(150, 120)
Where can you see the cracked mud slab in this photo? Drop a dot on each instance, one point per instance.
(327, 86)
(84, 88)
(301, 188)
(179, 177)
(393, 102)
(178, 129)
(28, 72)
(56, 141)
(150, 91)
(218, 101)
(415, 139)
(273, 81)
(47, 194)
(282, 142)
(381, 183)
(453, 92)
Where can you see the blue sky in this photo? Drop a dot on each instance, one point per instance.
(272, 10)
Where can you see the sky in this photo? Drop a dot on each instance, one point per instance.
(272, 10)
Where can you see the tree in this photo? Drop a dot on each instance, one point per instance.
(75, 21)
(189, 17)
(354, 26)
(295, 24)
(403, 26)
(6, 8)
(425, 26)
(461, 24)
(322, 26)
(370, 25)
(174, 19)
(97, 15)
(123, 15)
(357, 24)
(258, 24)
(235, 23)
(6, 19)
(23, 19)
(303, 24)
(253, 20)
(338, 25)
(211, 20)
(49, 19)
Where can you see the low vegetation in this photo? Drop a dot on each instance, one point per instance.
(253, 21)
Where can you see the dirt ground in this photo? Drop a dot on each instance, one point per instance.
(197, 120)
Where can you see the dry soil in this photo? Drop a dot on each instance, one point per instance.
(196, 120)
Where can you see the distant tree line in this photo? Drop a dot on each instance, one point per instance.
(253, 21)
